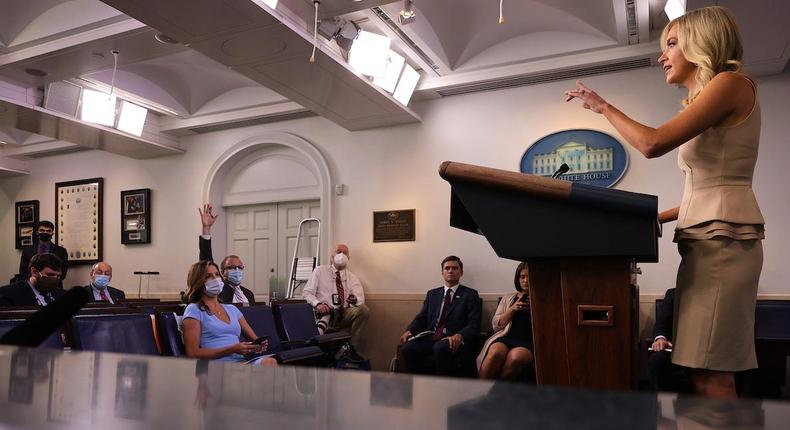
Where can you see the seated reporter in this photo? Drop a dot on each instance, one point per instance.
(41, 287)
(212, 329)
(99, 288)
(509, 350)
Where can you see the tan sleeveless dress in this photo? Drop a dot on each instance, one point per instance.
(719, 233)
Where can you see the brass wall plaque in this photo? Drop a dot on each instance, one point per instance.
(393, 226)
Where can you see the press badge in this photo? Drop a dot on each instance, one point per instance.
(335, 299)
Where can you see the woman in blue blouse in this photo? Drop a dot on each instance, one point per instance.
(212, 329)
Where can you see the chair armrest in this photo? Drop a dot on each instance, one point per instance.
(291, 344)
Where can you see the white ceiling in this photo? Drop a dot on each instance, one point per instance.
(457, 45)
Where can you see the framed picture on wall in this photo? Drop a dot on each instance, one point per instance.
(136, 216)
(26, 219)
(78, 219)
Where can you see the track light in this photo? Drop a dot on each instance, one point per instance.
(407, 15)
(369, 54)
(675, 8)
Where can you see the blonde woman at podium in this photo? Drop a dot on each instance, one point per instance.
(719, 224)
(508, 352)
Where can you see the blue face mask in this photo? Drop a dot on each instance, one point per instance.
(235, 276)
(101, 281)
(213, 286)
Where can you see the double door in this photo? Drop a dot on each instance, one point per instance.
(264, 237)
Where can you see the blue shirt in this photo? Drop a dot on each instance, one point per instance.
(215, 333)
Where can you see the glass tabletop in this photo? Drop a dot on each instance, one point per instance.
(48, 389)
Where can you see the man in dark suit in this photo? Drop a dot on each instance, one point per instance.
(446, 327)
(231, 267)
(42, 287)
(665, 376)
(42, 244)
(99, 288)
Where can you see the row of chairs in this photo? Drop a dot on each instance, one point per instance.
(154, 329)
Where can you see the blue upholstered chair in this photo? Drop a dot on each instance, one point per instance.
(261, 319)
(170, 336)
(125, 333)
(296, 323)
(54, 341)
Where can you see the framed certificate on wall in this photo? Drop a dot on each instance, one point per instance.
(78, 215)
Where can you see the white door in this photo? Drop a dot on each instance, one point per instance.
(252, 235)
(289, 215)
(264, 237)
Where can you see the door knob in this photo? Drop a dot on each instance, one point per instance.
(271, 270)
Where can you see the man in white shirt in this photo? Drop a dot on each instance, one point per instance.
(99, 288)
(337, 296)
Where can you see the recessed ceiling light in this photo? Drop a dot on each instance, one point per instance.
(163, 38)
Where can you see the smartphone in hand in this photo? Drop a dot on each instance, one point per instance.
(260, 340)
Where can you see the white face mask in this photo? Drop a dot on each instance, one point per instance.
(340, 260)
(213, 286)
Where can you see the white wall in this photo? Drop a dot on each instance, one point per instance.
(396, 168)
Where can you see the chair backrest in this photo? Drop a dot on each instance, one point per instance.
(772, 320)
(296, 321)
(53, 341)
(127, 333)
(171, 337)
(261, 319)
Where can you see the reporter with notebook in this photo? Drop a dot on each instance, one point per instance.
(446, 327)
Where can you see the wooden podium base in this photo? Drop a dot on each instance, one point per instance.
(584, 322)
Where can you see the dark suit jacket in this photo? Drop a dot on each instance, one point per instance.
(20, 294)
(115, 294)
(665, 311)
(462, 317)
(226, 296)
(29, 251)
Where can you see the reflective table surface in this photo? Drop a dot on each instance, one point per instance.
(42, 389)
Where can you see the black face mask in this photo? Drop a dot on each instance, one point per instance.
(45, 237)
(45, 283)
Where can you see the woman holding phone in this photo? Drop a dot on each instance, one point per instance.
(509, 350)
(212, 329)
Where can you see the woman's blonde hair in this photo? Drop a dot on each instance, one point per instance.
(710, 39)
(196, 278)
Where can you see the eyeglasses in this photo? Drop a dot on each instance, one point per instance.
(234, 267)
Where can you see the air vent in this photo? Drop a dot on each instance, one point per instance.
(251, 122)
(541, 78)
(406, 39)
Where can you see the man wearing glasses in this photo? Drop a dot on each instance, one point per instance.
(232, 267)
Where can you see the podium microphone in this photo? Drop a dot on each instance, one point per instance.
(46, 321)
(561, 171)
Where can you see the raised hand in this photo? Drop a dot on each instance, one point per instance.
(207, 217)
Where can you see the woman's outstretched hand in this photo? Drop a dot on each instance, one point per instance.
(590, 99)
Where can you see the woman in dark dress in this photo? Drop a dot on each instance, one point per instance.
(509, 350)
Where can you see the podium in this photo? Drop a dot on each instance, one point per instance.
(581, 244)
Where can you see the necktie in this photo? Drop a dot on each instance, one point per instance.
(437, 334)
(103, 296)
(341, 293)
(238, 295)
(48, 298)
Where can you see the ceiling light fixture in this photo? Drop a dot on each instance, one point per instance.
(501, 16)
(406, 85)
(407, 15)
(132, 118)
(391, 75)
(675, 8)
(369, 54)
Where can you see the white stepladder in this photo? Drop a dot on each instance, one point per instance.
(302, 267)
